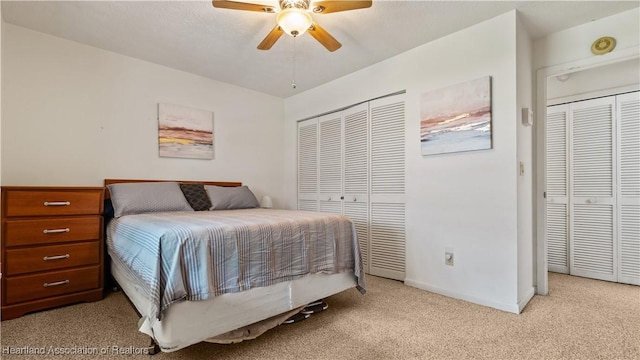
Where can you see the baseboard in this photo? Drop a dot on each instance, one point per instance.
(512, 308)
(525, 299)
(558, 269)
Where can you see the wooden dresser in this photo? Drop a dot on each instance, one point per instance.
(52, 247)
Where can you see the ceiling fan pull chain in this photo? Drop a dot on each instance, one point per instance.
(293, 82)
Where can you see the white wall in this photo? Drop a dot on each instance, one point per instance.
(74, 115)
(525, 254)
(1, 28)
(467, 201)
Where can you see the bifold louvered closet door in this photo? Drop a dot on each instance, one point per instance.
(352, 162)
(557, 194)
(628, 106)
(330, 158)
(387, 254)
(308, 165)
(593, 185)
(356, 174)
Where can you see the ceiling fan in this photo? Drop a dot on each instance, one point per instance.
(294, 17)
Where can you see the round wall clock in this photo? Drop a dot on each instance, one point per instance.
(603, 45)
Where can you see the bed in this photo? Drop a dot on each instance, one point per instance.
(227, 272)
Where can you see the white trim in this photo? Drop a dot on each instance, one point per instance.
(525, 299)
(353, 105)
(512, 308)
(542, 277)
(558, 268)
(593, 94)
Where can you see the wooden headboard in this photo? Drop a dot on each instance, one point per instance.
(117, 181)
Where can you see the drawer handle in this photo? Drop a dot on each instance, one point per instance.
(56, 231)
(57, 203)
(57, 257)
(63, 282)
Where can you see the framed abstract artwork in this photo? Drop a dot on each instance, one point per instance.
(456, 118)
(185, 132)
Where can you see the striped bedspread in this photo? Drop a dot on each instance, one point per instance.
(201, 254)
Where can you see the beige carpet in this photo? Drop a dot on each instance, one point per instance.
(580, 319)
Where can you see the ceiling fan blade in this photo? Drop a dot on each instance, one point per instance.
(324, 37)
(235, 5)
(330, 6)
(271, 38)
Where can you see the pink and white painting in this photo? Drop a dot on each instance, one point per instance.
(456, 118)
(185, 132)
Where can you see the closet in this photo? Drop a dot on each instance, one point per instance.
(593, 188)
(352, 162)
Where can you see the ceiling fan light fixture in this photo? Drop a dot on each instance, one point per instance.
(294, 21)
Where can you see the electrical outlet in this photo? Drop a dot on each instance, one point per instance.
(448, 258)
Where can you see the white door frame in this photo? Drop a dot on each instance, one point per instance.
(542, 285)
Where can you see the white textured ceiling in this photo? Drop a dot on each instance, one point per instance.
(220, 44)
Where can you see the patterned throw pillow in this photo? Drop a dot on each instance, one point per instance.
(196, 196)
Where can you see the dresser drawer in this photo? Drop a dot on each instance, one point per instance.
(31, 287)
(28, 260)
(52, 202)
(48, 231)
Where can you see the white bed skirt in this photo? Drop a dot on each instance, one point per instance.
(190, 322)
